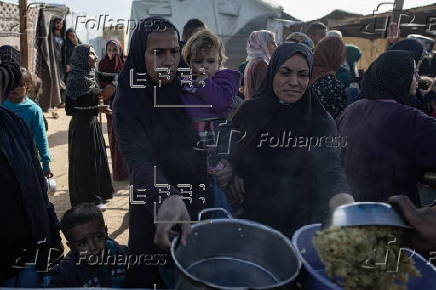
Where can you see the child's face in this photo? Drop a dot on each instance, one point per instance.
(206, 59)
(88, 240)
(17, 94)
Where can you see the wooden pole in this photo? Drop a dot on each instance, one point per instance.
(396, 13)
(24, 37)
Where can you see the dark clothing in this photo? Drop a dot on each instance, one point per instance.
(390, 147)
(157, 143)
(287, 185)
(331, 93)
(28, 217)
(389, 77)
(73, 272)
(413, 46)
(428, 67)
(10, 74)
(88, 172)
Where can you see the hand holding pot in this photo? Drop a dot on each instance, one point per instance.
(173, 209)
(423, 220)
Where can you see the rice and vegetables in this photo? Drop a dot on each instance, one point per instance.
(365, 257)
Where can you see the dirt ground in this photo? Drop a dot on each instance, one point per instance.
(116, 215)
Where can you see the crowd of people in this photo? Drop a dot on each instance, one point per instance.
(312, 133)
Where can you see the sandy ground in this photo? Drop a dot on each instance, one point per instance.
(116, 215)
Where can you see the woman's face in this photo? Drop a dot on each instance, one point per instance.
(163, 51)
(59, 24)
(92, 58)
(272, 45)
(112, 51)
(414, 84)
(73, 38)
(292, 79)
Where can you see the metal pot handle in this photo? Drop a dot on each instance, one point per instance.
(208, 210)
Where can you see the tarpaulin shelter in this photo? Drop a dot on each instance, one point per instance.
(232, 20)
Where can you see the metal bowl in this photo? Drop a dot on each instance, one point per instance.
(235, 254)
(366, 214)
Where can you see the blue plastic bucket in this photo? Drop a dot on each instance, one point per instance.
(313, 277)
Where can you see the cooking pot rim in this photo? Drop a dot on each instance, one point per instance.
(260, 226)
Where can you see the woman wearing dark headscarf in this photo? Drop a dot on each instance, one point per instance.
(71, 41)
(88, 172)
(416, 49)
(58, 30)
(10, 75)
(290, 171)
(156, 138)
(329, 56)
(390, 144)
(113, 63)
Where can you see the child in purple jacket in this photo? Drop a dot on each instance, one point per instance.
(209, 97)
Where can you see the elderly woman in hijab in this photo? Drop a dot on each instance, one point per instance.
(88, 172)
(329, 56)
(113, 63)
(289, 158)
(390, 144)
(156, 137)
(260, 46)
(421, 100)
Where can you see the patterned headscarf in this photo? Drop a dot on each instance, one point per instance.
(10, 75)
(257, 45)
(81, 80)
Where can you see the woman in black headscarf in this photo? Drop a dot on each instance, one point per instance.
(71, 41)
(390, 144)
(288, 158)
(156, 139)
(421, 100)
(88, 172)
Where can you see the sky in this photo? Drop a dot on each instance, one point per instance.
(120, 9)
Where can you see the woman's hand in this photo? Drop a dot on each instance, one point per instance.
(173, 209)
(107, 92)
(104, 109)
(423, 220)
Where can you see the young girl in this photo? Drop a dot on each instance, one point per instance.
(211, 97)
(23, 106)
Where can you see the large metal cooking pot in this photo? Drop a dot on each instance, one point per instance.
(234, 254)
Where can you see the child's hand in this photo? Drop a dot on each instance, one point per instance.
(48, 174)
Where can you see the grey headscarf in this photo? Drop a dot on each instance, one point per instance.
(81, 80)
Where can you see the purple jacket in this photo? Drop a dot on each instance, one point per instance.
(218, 91)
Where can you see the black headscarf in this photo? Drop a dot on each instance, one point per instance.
(169, 128)
(81, 79)
(10, 75)
(69, 46)
(256, 113)
(389, 77)
(412, 46)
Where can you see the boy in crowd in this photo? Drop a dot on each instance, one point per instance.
(19, 102)
(94, 258)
